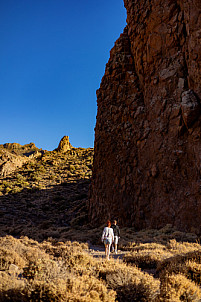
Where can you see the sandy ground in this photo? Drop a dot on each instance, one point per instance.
(99, 252)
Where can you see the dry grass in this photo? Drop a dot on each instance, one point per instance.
(177, 287)
(130, 238)
(51, 271)
(176, 264)
(64, 271)
(130, 283)
(49, 169)
(54, 182)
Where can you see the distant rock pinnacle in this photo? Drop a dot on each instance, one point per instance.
(64, 144)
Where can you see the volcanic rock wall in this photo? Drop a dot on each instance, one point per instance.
(147, 163)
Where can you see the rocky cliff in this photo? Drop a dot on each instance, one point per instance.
(147, 162)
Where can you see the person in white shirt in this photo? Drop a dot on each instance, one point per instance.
(107, 238)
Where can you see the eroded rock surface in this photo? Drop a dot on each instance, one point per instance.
(147, 163)
(64, 144)
(10, 162)
(14, 156)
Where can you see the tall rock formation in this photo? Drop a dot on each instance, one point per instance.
(64, 144)
(147, 163)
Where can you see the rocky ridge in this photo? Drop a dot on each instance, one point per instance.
(14, 156)
(147, 163)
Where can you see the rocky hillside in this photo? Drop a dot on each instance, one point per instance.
(147, 163)
(46, 199)
(47, 192)
(13, 156)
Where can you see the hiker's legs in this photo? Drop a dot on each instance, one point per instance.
(105, 250)
(115, 243)
(109, 250)
(109, 245)
(115, 246)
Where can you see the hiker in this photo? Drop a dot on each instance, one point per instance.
(116, 231)
(107, 238)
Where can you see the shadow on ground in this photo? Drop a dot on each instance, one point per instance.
(98, 251)
(40, 214)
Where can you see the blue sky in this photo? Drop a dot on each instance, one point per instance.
(52, 58)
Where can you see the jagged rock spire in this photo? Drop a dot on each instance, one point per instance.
(64, 144)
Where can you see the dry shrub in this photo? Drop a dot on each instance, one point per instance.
(56, 271)
(182, 247)
(133, 246)
(64, 271)
(178, 288)
(180, 274)
(18, 252)
(149, 246)
(51, 272)
(129, 282)
(9, 256)
(194, 271)
(130, 238)
(73, 288)
(188, 264)
(178, 268)
(11, 289)
(148, 258)
(147, 255)
(154, 255)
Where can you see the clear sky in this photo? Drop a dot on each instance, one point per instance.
(52, 58)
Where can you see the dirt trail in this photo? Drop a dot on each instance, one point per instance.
(98, 251)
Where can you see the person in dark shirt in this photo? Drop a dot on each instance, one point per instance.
(116, 231)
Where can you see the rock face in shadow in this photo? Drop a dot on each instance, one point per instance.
(44, 196)
(147, 162)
